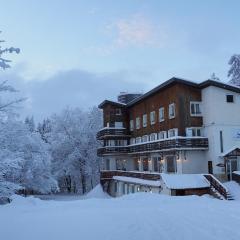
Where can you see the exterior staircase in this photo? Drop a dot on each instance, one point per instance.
(217, 189)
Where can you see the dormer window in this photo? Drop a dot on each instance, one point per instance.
(229, 98)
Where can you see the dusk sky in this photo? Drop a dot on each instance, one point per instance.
(77, 53)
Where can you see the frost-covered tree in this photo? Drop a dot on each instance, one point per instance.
(5, 63)
(74, 149)
(25, 161)
(29, 121)
(44, 129)
(234, 71)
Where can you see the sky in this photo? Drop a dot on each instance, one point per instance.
(77, 53)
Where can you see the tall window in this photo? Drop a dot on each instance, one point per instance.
(171, 111)
(144, 120)
(138, 123)
(138, 140)
(131, 125)
(195, 109)
(152, 117)
(161, 114)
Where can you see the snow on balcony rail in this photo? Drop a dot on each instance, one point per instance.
(155, 183)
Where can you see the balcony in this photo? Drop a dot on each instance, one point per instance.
(107, 175)
(109, 132)
(178, 143)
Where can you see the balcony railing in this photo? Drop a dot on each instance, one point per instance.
(112, 132)
(106, 175)
(178, 143)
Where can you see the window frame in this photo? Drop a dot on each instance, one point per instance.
(164, 135)
(152, 117)
(174, 110)
(196, 129)
(144, 120)
(161, 109)
(131, 123)
(118, 113)
(138, 124)
(175, 130)
(196, 114)
(229, 95)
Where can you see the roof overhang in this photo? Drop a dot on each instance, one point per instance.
(105, 102)
(233, 152)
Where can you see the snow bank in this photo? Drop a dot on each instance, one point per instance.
(96, 192)
(140, 216)
(184, 181)
(138, 181)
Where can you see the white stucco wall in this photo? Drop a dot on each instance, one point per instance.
(218, 115)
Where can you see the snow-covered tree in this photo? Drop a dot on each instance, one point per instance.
(25, 161)
(44, 129)
(4, 63)
(29, 121)
(74, 149)
(234, 71)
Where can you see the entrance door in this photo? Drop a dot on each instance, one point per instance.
(171, 164)
(231, 167)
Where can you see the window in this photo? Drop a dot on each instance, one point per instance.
(161, 114)
(132, 141)
(131, 125)
(120, 142)
(108, 124)
(138, 140)
(118, 124)
(162, 135)
(172, 132)
(144, 120)
(138, 123)
(118, 111)
(152, 117)
(229, 98)
(145, 138)
(193, 132)
(195, 109)
(171, 111)
(153, 136)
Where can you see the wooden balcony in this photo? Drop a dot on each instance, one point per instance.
(107, 175)
(112, 132)
(179, 143)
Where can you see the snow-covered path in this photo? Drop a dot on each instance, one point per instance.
(136, 216)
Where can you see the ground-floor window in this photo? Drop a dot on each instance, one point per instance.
(145, 164)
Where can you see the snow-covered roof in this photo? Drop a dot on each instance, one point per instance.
(237, 172)
(184, 181)
(229, 151)
(155, 183)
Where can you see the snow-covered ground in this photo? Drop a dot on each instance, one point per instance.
(135, 216)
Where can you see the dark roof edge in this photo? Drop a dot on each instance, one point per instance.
(173, 80)
(101, 105)
(222, 85)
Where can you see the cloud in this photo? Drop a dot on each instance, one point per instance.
(137, 31)
(74, 88)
